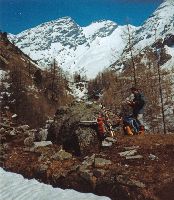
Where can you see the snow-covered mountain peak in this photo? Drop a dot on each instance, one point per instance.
(100, 28)
(169, 1)
(83, 49)
(159, 24)
(89, 50)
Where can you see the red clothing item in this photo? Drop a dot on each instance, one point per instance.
(101, 126)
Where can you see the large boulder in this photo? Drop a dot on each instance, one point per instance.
(68, 128)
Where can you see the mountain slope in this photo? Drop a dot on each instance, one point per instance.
(19, 92)
(85, 49)
(90, 49)
(159, 29)
(161, 23)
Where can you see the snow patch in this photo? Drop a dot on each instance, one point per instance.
(14, 186)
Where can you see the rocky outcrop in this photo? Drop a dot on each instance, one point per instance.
(68, 131)
(169, 40)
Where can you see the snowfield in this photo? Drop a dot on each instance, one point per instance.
(15, 187)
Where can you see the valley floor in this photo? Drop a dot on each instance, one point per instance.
(137, 167)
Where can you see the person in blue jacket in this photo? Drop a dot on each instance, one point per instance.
(137, 105)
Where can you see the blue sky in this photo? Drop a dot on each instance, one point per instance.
(18, 15)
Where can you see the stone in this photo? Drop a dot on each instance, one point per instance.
(134, 157)
(30, 133)
(4, 125)
(42, 143)
(12, 133)
(131, 148)
(62, 155)
(101, 162)
(42, 135)
(29, 141)
(89, 160)
(128, 153)
(124, 180)
(14, 116)
(66, 129)
(24, 127)
(153, 157)
(49, 121)
(106, 144)
(110, 139)
(2, 130)
(6, 146)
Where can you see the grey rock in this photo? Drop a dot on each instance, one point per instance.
(89, 160)
(5, 125)
(29, 141)
(101, 162)
(106, 144)
(134, 157)
(24, 127)
(110, 139)
(62, 155)
(129, 182)
(14, 116)
(42, 143)
(83, 168)
(128, 153)
(67, 131)
(153, 157)
(49, 121)
(131, 148)
(74, 168)
(2, 130)
(12, 133)
(41, 135)
(29, 133)
(5, 146)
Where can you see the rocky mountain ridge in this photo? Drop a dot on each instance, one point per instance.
(91, 49)
(85, 49)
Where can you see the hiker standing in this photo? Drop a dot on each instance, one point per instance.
(137, 105)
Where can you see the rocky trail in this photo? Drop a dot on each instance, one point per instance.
(137, 167)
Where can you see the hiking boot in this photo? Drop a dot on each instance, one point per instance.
(128, 130)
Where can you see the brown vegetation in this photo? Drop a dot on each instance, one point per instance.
(29, 87)
(115, 87)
